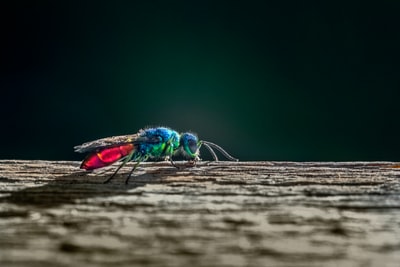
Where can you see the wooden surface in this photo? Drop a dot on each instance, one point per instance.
(212, 214)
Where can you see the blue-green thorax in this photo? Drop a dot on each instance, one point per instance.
(158, 142)
(164, 142)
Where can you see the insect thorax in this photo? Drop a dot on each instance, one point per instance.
(162, 142)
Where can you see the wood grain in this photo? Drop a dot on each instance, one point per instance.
(211, 214)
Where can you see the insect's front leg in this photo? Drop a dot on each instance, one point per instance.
(173, 163)
(193, 162)
(190, 163)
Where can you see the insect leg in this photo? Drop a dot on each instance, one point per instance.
(134, 168)
(128, 158)
(169, 156)
(173, 163)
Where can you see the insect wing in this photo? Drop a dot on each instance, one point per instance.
(107, 156)
(106, 142)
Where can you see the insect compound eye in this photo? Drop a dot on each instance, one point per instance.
(189, 143)
(192, 144)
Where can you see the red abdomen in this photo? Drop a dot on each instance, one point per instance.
(106, 156)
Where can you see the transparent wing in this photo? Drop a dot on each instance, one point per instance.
(109, 141)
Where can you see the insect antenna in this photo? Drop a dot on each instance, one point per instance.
(210, 145)
(211, 151)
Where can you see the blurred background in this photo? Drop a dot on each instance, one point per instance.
(267, 81)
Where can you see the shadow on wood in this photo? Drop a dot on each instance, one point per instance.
(213, 214)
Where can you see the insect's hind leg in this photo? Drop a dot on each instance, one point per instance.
(128, 158)
(134, 168)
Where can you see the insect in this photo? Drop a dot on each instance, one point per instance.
(151, 143)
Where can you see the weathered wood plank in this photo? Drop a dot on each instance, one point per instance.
(212, 214)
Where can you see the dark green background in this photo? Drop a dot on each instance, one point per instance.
(267, 81)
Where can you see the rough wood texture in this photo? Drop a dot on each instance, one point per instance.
(212, 214)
